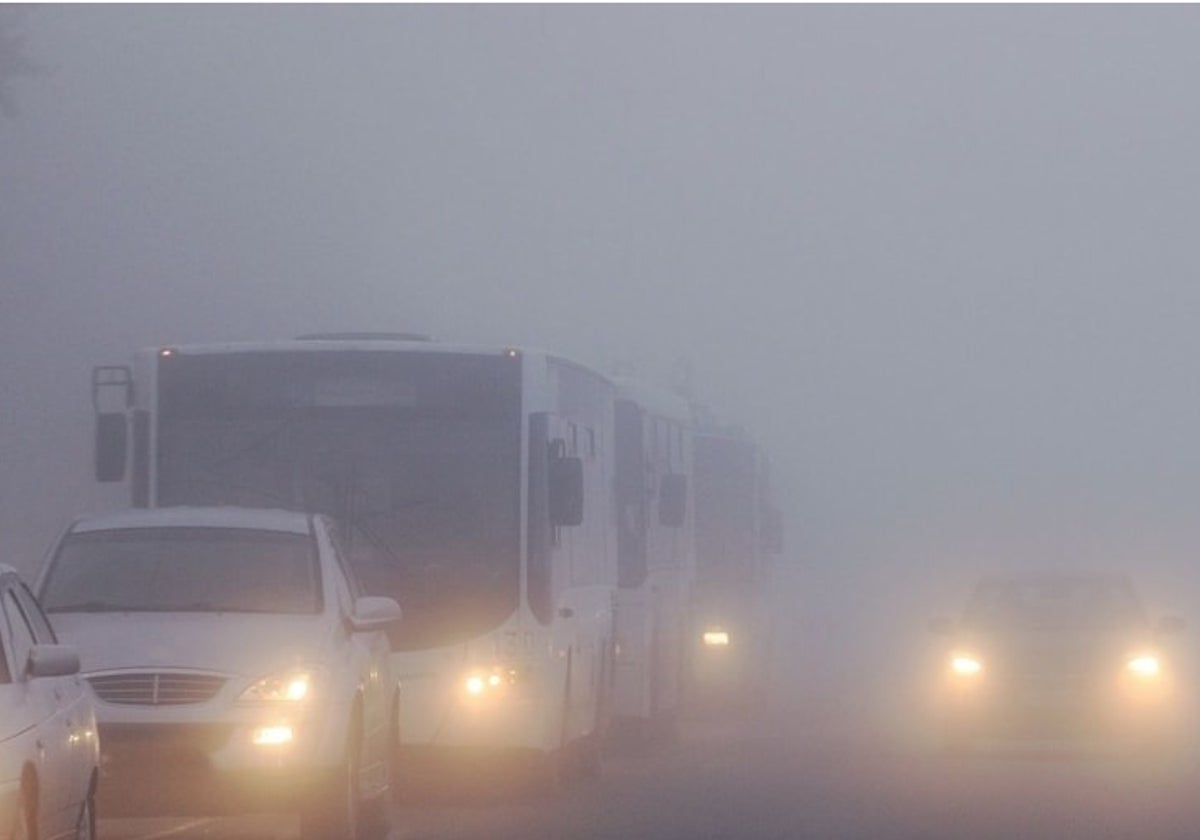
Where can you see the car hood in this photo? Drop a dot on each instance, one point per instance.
(230, 643)
(1063, 651)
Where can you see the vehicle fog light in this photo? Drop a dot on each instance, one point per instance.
(270, 736)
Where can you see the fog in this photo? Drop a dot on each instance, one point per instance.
(940, 261)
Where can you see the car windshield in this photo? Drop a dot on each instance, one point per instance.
(184, 570)
(1059, 602)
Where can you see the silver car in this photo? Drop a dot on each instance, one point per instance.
(236, 665)
(49, 753)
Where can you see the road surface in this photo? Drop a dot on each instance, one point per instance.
(789, 774)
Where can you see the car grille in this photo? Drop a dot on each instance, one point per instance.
(156, 689)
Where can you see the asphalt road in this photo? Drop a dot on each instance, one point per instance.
(797, 774)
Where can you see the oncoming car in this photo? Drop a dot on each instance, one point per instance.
(49, 754)
(235, 665)
(1057, 656)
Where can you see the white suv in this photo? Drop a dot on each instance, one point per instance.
(237, 666)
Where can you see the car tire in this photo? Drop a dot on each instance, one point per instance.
(25, 826)
(335, 811)
(85, 827)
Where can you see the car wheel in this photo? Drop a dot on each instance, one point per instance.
(85, 828)
(25, 827)
(334, 813)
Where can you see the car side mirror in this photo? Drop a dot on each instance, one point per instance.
(566, 491)
(52, 661)
(373, 612)
(672, 500)
(941, 626)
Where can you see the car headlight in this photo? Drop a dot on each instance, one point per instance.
(966, 665)
(288, 687)
(1143, 665)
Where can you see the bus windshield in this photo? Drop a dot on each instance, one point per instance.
(416, 454)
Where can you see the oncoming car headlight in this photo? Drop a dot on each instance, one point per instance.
(1143, 665)
(965, 665)
(286, 687)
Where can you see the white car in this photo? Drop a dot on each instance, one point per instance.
(237, 667)
(49, 753)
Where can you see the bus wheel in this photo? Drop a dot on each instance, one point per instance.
(548, 772)
(589, 756)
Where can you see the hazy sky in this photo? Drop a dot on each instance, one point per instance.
(941, 260)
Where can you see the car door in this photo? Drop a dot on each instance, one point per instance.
(369, 652)
(73, 722)
(47, 702)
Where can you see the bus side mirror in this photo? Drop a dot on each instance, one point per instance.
(112, 395)
(772, 531)
(672, 500)
(566, 491)
(111, 446)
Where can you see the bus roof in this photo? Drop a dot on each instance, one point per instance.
(658, 401)
(362, 344)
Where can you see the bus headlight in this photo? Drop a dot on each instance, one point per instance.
(715, 638)
(485, 681)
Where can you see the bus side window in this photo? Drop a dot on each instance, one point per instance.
(538, 562)
(140, 484)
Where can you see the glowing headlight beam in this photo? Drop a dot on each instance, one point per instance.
(273, 736)
(965, 666)
(716, 638)
(294, 687)
(1143, 666)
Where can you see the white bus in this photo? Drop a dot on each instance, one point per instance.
(473, 485)
(656, 563)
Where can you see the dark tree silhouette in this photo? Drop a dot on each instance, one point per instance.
(14, 60)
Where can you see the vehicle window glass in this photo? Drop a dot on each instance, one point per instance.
(22, 633)
(43, 633)
(5, 635)
(1065, 601)
(184, 569)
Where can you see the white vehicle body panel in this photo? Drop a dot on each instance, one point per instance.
(236, 650)
(47, 733)
(653, 607)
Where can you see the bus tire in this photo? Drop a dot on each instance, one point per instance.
(589, 756)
